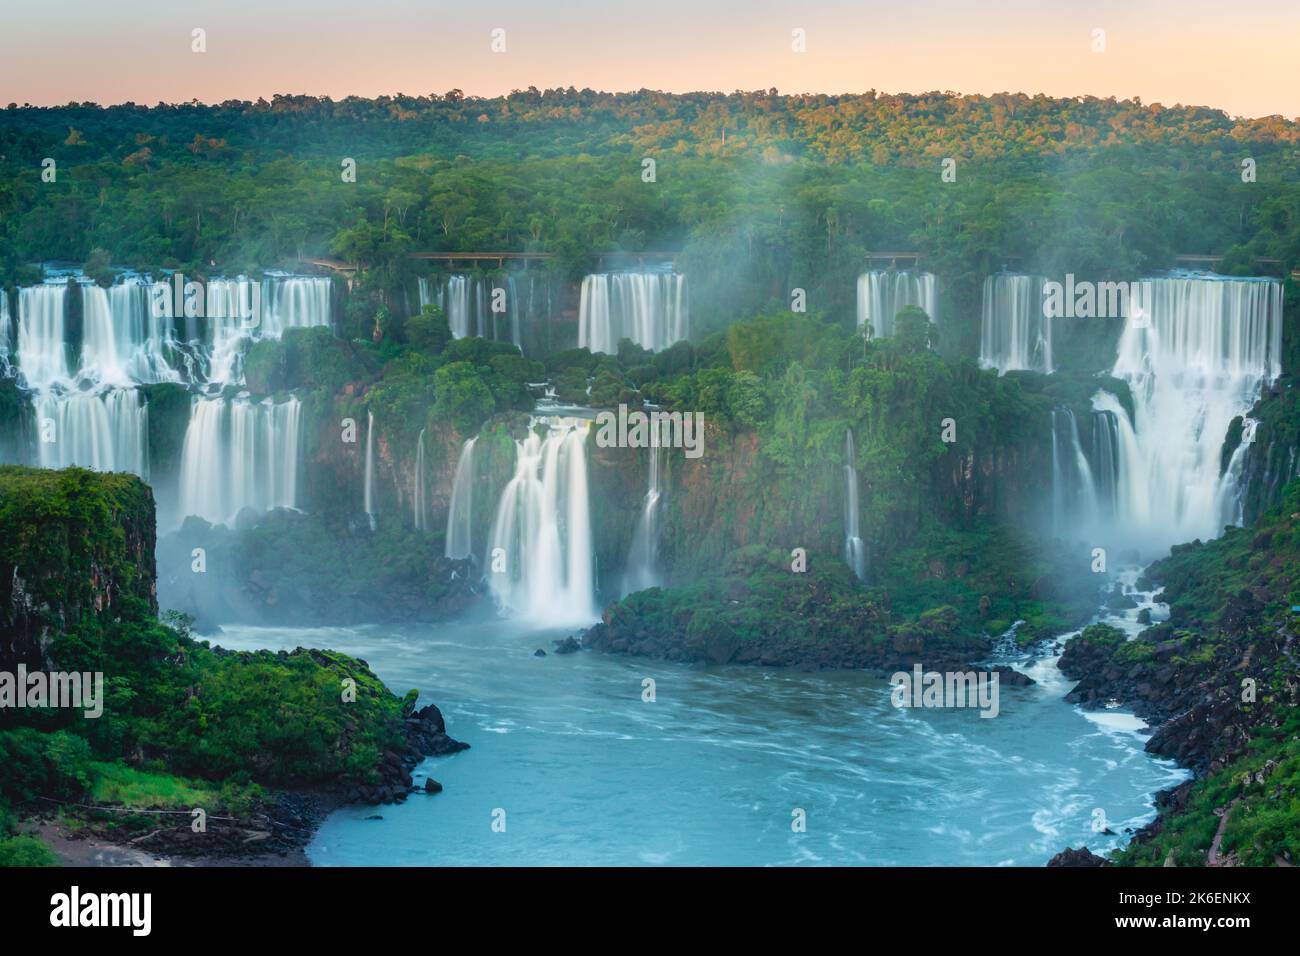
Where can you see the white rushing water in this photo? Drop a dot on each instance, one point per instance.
(86, 400)
(1074, 492)
(883, 293)
(492, 308)
(1195, 356)
(239, 454)
(6, 333)
(42, 346)
(419, 506)
(460, 513)
(855, 549)
(650, 308)
(106, 430)
(1014, 333)
(369, 490)
(643, 569)
(542, 531)
(1196, 360)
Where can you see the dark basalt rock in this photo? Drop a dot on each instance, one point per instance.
(1080, 857)
(569, 645)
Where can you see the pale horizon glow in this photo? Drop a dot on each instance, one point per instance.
(1239, 58)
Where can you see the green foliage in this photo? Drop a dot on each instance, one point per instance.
(235, 719)
(428, 331)
(463, 398)
(26, 851)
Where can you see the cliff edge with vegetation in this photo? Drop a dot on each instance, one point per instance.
(263, 743)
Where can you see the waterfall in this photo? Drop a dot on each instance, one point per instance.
(231, 312)
(1074, 492)
(542, 529)
(418, 505)
(42, 346)
(466, 301)
(1232, 489)
(883, 293)
(855, 549)
(124, 342)
(370, 469)
(95, 419)
(460, 513)
(1014, 332)
(102, 349)
(106, 431)
(145, 330)
(1195, 359)
(6, 333)
(85, 382)
(650, 308)
(239, 454)
(295, 302)
(239, 312)
(643, 569)
(1105, 461)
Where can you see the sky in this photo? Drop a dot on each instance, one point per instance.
(1242, 56)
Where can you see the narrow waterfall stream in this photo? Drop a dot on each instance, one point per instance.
(855, 549)
(643, 568)
(419, 505)
(369, 487)
(460, 512)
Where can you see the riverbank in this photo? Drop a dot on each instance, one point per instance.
(1218, 681)
(274, 833)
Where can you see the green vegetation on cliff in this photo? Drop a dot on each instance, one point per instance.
(76, 552)
(1221, 674)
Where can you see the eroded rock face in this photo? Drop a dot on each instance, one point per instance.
(76, 547)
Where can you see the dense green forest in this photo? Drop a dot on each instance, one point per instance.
(761, 192)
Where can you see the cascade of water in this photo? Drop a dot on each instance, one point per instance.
(419, 507)
(105, 345)
(1014, 332)
(6, 333)
(855, 549)
(145, 330)
(1074, 492)
(468, 301)
(453, 294)
(460, 513)
(543, 528)
(294, 302)
(230, 311)
(1195, 357)
(106, 430)
(1105, 462)
(42, 346)
(643, 569)
(1232, 497)
(650, 308)
(370, 469)
(883, 293)
(239, 454)
(236, 453)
